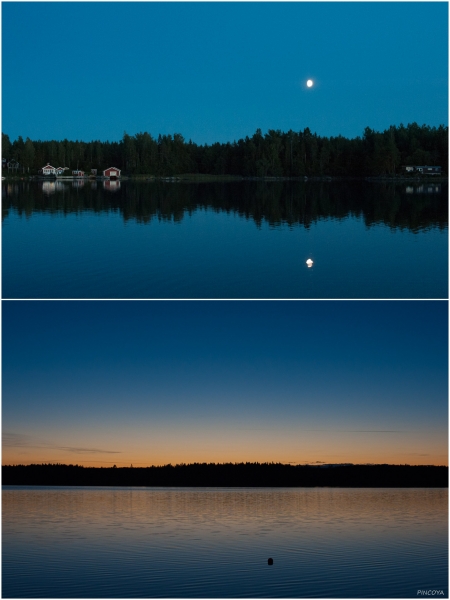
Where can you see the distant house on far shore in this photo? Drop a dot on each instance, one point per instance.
(47, 170)
(111, 173)
(423, 169)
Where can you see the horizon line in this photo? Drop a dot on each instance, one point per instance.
(288, 463)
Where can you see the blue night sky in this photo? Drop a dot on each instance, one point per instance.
(218, 71)
(157, 382)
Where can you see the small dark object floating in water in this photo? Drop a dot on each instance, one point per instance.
(270, 561)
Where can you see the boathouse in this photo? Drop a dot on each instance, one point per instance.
(111, 173)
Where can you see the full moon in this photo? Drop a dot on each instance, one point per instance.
(309, 83)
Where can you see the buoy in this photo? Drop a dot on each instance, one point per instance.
(309, 262)
(270, 561)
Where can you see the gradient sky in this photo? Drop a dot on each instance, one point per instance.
(143, 383)
(216, 71)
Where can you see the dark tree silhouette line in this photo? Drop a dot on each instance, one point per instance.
(273, 154)
(229, 475)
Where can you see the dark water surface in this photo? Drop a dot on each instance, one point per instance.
(173, 542)
(230, 240)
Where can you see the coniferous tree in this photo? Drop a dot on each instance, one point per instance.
(275, 154)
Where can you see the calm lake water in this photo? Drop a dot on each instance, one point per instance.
(231, 240)
(173, 542)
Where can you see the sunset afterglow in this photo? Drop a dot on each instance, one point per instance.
(155, 383)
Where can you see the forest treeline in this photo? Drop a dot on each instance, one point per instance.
(229, 475)
(274, 154)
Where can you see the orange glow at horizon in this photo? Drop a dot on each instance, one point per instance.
(309, 447)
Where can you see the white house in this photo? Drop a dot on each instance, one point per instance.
(47, 170)
(60, 170)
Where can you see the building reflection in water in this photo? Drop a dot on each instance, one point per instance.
(111, 185)
(48, 187)
(424, 188)
(78, 183)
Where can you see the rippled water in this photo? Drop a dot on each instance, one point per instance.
(224, 241)
(172, 542)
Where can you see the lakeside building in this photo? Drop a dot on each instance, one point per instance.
(111, 173)
(13, 165)
(47, 170)
(423, 169)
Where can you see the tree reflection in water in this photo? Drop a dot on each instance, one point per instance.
(411, 206)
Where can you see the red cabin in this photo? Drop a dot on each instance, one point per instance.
(111, 173)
